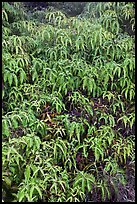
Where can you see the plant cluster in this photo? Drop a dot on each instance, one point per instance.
(68, 114)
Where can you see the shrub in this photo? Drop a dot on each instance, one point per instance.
(68, 116)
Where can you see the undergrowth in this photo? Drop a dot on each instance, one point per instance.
(68, 109)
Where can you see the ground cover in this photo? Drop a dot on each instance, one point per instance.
(68, 104)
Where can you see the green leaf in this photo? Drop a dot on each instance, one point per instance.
(31, 192)
(61, 148)
(77, 181)
(6, 74)
(4, 15)
(126, 92)
(55, 151)
(37, 142)
(34, 75)
(10, 79)
(89, 185)
(103, 192)
(125, 153)
(15, 79)
(72, 128)
(108, 192)
(27, 173)
(83, 184)
(15, 123)
(5, 128)
(7, 181)
(97, 154)
(131, 94)
(21, 195)
(22, 76)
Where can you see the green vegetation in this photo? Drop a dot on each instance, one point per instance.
(68, 115)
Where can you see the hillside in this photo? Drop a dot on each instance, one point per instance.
(68, 103)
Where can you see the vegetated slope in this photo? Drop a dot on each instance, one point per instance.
(68, 117)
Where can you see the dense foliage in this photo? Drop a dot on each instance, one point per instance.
(68, 115)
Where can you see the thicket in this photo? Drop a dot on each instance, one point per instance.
(68, 109)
